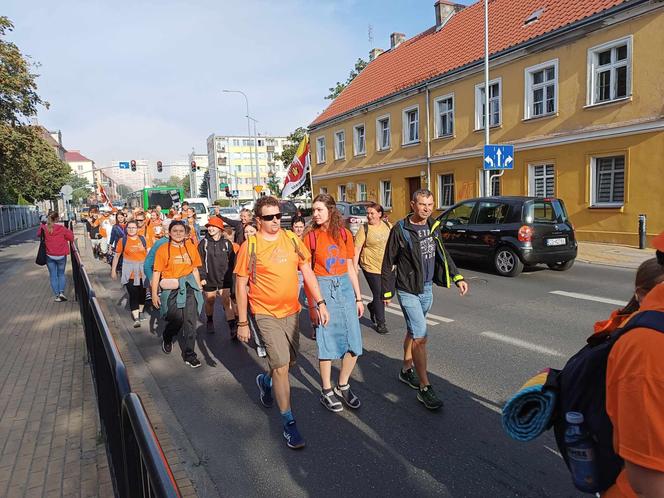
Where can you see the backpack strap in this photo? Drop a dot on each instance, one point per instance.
(649, 319)
(296, 242)
(251, 241)
(143, 241)
(312, 248)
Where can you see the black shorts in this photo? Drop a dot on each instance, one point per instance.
(213, 288)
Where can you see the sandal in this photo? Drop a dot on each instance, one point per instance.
(348, 396)
(330, 401)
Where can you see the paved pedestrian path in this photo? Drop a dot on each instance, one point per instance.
(50, 444)
(613, 255)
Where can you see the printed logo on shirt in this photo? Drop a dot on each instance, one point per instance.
(333, 257)
(427, 244)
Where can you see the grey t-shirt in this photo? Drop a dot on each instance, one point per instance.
(427, 250)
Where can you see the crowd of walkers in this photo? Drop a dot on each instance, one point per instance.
(264, 274)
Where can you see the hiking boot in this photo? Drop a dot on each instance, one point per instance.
(264, 391)
(166, 347)
(192, 361)
(427, 396)
(292, 436)
(347, 396)
(372, 313)
(210, 327)
(331, 402)
(409, 377)
(381, 328)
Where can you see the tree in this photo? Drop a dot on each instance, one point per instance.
(287, 155)
(273, 183)
(203, 188)
(30, 167)
(81, 186)
(123, 190)
(339, 87)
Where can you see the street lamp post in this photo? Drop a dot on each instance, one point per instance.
(246, 99)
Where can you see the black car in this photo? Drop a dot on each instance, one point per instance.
(288, 212)
(510, 232)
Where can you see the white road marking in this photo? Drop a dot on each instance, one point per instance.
(488, 405)
(588, 297)
(553, 451)
(519, 343)
(429, 315)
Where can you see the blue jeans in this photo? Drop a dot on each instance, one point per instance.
(415, 308)
(56, 271)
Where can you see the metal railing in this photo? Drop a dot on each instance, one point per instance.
(14, 218)
(137, 463)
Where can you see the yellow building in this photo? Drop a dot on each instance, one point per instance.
(577, 87)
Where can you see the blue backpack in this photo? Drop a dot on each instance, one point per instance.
(581, 387)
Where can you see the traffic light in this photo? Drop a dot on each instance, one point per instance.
(160, 167)
(227, 190)
(193, 167)
(133, 165)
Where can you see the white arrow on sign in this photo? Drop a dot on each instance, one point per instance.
(489, 161)
(508, 161)
(499, 153)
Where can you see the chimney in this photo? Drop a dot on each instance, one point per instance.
(444, 11)
(396, 39)
(374, 53)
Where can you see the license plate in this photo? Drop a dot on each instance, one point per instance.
(556, 242)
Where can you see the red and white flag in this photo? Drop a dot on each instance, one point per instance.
(298, 169)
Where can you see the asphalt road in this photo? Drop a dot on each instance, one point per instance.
(482, 348)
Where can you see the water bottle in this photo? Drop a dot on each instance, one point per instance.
(580, 453)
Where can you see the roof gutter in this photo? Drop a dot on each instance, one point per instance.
(478, 63)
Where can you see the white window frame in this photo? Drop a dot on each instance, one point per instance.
(320, 150)
(530, 88)
(342, 193)
(438, 121)
(591, 98)
(531, 178)
(337, 153)
(495, 181)
(361, 192)
(379, 133)
(383, 200)
(441, 204)
(593, 181)
(479, 102)
(356, 140)
(405, 140)
(322, 190)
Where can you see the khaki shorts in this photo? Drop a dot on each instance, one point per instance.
(281, 338)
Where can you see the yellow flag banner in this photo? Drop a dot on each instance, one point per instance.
(298, 169)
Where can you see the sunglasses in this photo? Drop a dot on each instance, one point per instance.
(140, 219)
(270, 217)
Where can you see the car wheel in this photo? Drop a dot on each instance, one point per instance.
(561, 265)
(507, 262)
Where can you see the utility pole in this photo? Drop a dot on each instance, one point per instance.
(487, 140)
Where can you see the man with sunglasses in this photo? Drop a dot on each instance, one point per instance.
(267, 281)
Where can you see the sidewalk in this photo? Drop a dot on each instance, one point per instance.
(49, 428)
(613, 255)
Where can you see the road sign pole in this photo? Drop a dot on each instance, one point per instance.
(487, 137)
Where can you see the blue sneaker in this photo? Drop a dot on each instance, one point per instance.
(292, 436)
(265, 392)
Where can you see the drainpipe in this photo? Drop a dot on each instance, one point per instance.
(428, 95)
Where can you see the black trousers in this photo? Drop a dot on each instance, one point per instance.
(182, 319)
(373, 279)
(136, 295)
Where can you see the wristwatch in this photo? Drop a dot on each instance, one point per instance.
(322, 301)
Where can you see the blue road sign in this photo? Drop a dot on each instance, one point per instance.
(124, 164)
(498, 157)
(235, 193)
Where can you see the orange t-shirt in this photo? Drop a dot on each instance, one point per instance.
(182, 260)
(635, 397)
(146, 232)
(331, 256)
(134, 251)
(276, 290)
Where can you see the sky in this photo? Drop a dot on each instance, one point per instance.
(142, 79)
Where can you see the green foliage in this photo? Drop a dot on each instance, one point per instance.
(203, 188)
(81, 186)
(223, 202)
(339, 87)
(273, 184)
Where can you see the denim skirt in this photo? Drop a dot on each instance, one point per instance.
(342, 334)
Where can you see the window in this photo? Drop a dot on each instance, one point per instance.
(320, 150)
(494, 104)
(246, 142)
(542, 180)
(446, 192)
(322, 190)
(491, 213)
(340, 145)
(261, 143)
(359, 140)
(386, 194)
(445, 116)
(383, 133)
(495, 184)
(236, 155)
(460, 215)
(608, 181)
(236, 142)
(542, 89)
(361, 192)
(342, 193)
(609, 71)
(411, 125)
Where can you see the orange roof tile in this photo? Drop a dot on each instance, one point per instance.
(458, 43)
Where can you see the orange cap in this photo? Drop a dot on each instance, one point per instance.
(658, 242)
(215, 221)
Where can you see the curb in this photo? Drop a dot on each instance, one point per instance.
(624, 266)
(12, 235)
(192, 477)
